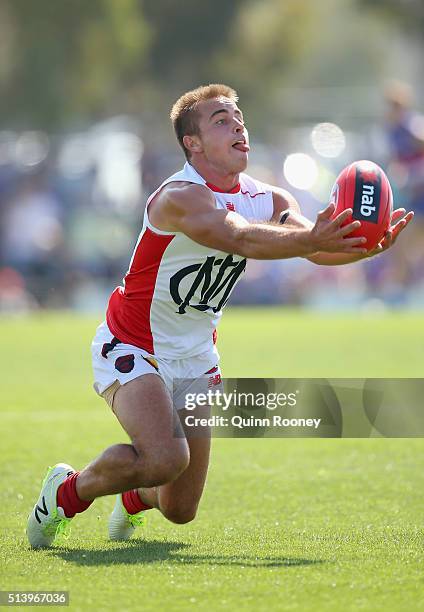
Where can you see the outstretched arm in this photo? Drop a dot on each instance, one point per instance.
(191, 209)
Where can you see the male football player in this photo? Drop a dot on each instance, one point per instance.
(158, 340)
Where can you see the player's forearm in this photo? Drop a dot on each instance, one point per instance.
(261, 241)
(334, 259)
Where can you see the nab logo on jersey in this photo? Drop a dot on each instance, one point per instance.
(215, 278)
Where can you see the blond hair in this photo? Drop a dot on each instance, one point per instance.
(184, 114)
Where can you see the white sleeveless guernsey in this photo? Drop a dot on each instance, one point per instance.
(175, 288)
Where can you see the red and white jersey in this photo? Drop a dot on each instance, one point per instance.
(175, 288)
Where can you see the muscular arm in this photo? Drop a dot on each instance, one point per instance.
(190, 209)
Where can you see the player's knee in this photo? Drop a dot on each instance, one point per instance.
(179, 513)
(160, 468)
(168, 466)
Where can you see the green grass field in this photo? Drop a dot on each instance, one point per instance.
(293, 524)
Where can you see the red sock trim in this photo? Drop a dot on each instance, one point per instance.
(132, 502)
(67, 497)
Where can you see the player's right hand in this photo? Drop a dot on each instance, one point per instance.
(331, 236)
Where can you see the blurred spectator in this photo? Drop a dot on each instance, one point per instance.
(14, 298)
(405, 135)
(33, 238)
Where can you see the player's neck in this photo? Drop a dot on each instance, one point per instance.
(224, 182)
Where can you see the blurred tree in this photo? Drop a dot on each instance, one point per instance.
(63, 59)
(408, 13)
(267, 39)
(280, 45)
(186, 35)
(303, 61)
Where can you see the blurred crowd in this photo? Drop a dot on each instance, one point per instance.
(71, 207)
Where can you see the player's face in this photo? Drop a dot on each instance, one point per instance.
(223, 136)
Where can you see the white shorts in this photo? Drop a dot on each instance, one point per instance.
(116, 363)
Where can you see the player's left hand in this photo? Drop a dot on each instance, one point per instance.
(398, 221)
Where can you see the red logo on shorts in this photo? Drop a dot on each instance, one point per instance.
(214, 380)
(230, 206)
(125, 364)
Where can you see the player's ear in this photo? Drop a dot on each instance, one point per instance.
(192, 143)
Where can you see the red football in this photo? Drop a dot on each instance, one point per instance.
(363, 187)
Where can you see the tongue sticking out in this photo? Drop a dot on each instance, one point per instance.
(241, 146)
